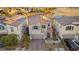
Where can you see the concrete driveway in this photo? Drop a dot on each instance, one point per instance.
(37, 45)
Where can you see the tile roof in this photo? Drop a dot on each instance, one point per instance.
(65, 20)
(38, 19)
(15, 20)
(19, 21)
(34, 19)
(2, 19)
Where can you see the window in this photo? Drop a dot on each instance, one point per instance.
(69, 28)
(35, 27)
(43, 26)
(2, 27)
(12, 30)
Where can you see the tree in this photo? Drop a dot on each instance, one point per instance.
(26, 40)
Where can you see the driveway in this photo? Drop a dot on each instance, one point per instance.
(37, 45)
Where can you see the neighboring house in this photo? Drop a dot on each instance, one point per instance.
(2, 26)
(38, 27)
(15, 25)
(68, 26)
(3, 29)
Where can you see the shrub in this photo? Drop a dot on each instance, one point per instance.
(9, 40)
(26, 40)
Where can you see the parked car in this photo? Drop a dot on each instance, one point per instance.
(2, 45)
(71, 45)
(76, 42)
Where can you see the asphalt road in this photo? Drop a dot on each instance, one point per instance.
(37, 45)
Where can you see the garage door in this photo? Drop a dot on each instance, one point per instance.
(37, 36)
(68, 36)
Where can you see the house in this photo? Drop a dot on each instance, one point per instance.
(2, 26)
(15, 25)
(67, 26)
(38, 27)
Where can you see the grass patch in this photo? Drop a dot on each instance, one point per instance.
(10, 47)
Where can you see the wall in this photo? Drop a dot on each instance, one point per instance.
(62, 30)
(77, 29)
(40, 32)
(9, 29)
(68, 32)
(31, 31)
(20, 30)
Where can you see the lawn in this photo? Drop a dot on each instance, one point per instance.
(10, 47)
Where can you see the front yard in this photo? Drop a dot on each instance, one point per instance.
(51, 45)
(10, 42)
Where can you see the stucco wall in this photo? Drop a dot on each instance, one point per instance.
(9, 29)
(20, 31)
(68, 32)
(40, 33)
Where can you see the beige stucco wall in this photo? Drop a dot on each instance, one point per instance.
(62, 30)
(67, 32)
(41, 33)
(9, 29)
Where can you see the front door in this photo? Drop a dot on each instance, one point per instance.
(48, 35)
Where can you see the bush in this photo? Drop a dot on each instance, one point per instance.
(26, 41)
(9, 40)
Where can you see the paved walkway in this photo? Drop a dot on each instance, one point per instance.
(37, 45)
